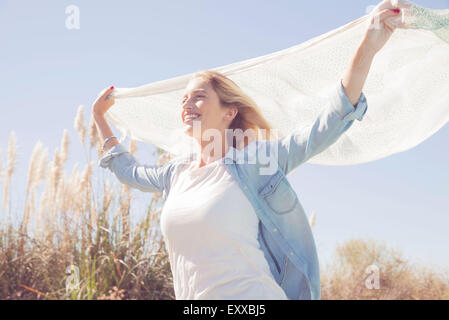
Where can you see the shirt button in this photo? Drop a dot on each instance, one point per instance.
(275, 229)
(245, 188)
(291, 253)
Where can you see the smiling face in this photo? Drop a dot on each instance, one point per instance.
(201, 104)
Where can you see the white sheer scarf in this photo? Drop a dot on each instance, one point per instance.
(407, 90)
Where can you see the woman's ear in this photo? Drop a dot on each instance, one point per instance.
(231, 113)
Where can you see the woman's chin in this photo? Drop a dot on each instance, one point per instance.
(187, 128)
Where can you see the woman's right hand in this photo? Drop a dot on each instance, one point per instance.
(103, 103)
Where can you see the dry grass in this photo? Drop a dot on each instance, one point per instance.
(76, 225)
(79, 243)
(368, 270)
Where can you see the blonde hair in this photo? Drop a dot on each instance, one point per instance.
(249, 115)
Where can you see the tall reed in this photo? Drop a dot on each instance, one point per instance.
(12, 158)
(77, 241)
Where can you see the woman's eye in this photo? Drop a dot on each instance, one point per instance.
(199, 96)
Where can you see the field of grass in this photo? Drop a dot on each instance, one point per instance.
(75, 241)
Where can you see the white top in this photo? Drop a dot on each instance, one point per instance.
(210, 230)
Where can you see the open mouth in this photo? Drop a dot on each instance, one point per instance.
(189, 117)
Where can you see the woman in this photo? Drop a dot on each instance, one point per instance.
(231, 231)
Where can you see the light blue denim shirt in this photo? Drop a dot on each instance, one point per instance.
(285, 235)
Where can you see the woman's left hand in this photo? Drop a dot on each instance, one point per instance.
(385, 18)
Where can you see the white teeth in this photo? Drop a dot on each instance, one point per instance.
(191, 116)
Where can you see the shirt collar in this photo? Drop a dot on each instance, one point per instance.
(231, 154)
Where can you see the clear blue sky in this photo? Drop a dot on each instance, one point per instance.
(46, 71)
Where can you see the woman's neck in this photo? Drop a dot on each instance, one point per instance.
(211, 151)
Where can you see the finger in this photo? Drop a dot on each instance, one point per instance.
(379, 17)
(387, 13)
(110, 96)
(103, 93)
(401, 4)
(393, 18)
(107, 92)
(392, 4)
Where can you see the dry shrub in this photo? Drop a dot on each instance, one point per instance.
(359, 263)
(114, 294)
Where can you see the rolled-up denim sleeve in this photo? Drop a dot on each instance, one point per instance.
(147, 178)
(336, 118)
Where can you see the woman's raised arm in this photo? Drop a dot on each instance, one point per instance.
(347, 101)
(103, 103)
(334, 120)
(382, 24)
(147, 178)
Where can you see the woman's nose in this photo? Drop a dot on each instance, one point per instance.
(187, 105)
